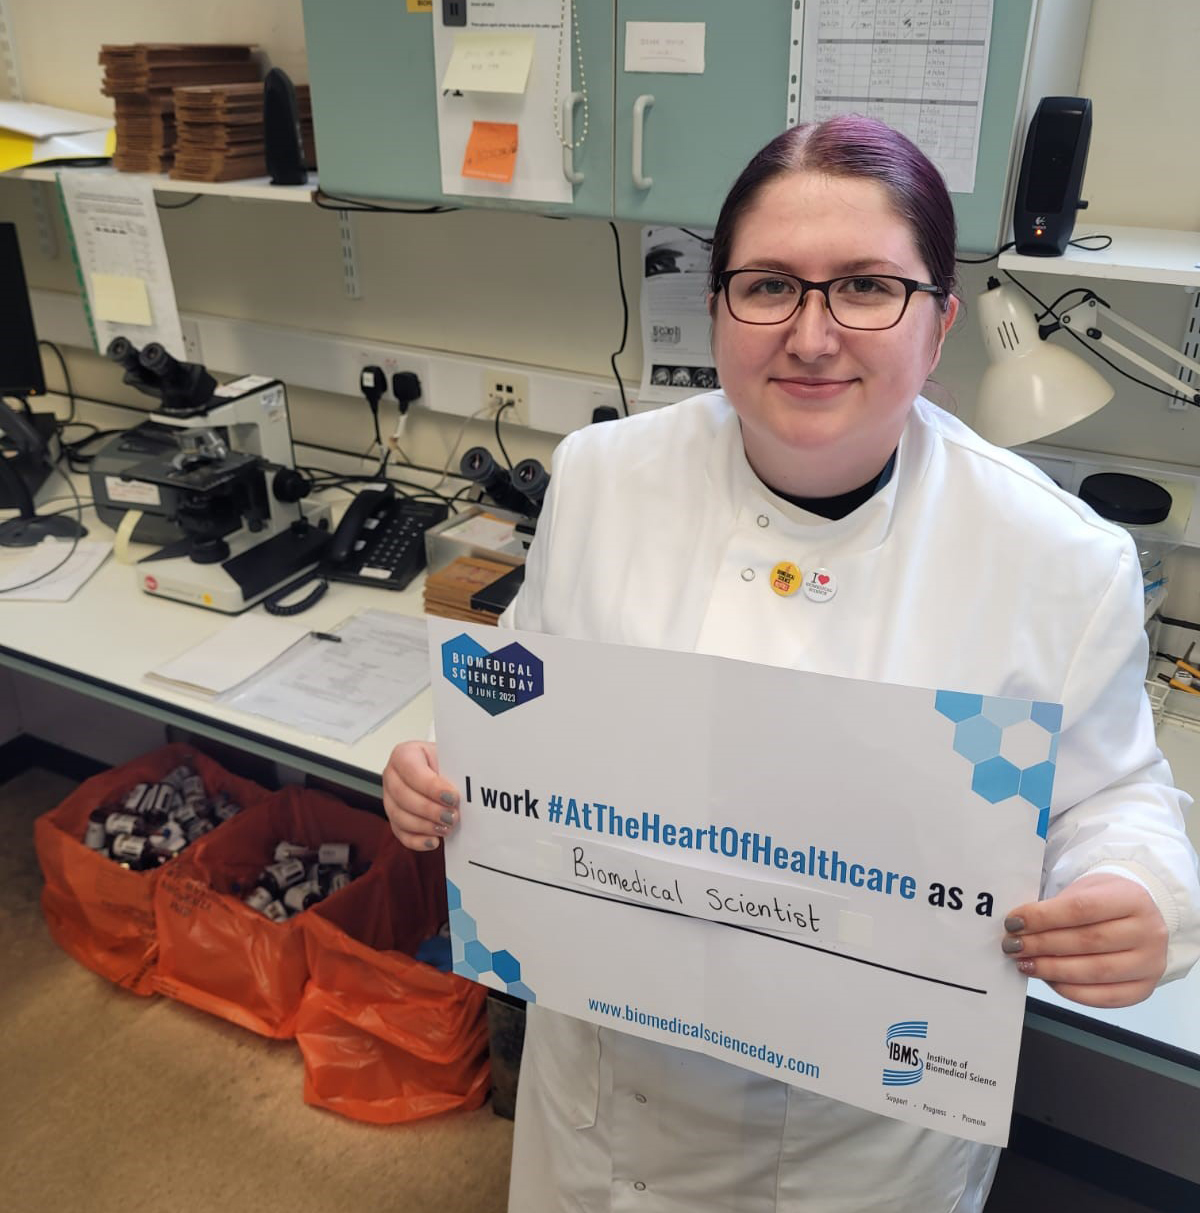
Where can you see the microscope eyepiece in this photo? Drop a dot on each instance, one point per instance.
(123, 351)
(158, 362)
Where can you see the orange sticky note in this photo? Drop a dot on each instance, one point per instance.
(491, 151)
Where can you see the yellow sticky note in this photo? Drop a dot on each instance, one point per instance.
(420, 6)
(489, 63)
(121, 300)
(491, 151)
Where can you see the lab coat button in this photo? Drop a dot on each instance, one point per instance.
(747, 574)
(639, 1186)
(640, 1098)
(763, 520)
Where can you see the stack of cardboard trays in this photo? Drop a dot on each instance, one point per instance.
(141, 79)
(219, 131)
(450, 590)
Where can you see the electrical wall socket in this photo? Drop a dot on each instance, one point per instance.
(500, 387)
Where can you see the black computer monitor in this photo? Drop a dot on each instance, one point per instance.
(20, 362)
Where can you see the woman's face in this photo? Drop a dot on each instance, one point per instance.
(822, 407)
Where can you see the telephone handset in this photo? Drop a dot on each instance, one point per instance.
(381, 539)
(366, 508)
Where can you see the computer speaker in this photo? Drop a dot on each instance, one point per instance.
(1052, 167)
(281, 130)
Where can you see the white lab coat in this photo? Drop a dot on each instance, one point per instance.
(969, 570)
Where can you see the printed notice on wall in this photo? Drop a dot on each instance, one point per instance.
(920, 66)
(122, 259)
(822, 905)
(678, 360)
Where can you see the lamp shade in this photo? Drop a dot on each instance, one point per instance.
(1030, 388)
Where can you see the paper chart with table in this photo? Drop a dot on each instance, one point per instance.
(803, 875)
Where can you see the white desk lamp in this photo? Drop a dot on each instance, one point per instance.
(1031, 388)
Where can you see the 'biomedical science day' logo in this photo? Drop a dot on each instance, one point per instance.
(496, 681)
(906, 1055)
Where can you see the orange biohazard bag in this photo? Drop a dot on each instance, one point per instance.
(96, 910)
(386, 1038)
(220, 955)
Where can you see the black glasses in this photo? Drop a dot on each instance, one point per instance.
(856, 301)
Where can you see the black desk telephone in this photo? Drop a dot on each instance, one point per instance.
(380, 540)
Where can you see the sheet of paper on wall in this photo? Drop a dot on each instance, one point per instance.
(50, 571)
(678, 359)
(489, 63)
(114, 227)
(921, 67)
(342, 690)
(536, 26)
(491, 153)
(664, 46)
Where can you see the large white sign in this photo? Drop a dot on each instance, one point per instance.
(803, 875)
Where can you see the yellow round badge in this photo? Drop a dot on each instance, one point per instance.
(785, 578)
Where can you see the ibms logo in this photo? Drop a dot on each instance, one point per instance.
(907, 1066)
(496, 681)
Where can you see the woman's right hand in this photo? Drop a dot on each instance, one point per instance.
(421, 806)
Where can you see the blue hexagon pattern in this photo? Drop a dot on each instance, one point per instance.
(979, 725)
(472, 958)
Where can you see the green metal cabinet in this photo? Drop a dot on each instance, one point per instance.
(371, 66)
(371, 70)
(699, 130)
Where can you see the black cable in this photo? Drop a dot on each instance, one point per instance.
(1092, 248)
(1095, 352)
(625, 321)
(696, 236)
(320, 197)
(1179, 623)
(177, 206)
(62, 362)
(508, 404)
(78, 509)
(984, 260)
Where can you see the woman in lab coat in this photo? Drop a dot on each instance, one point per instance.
(929, 558)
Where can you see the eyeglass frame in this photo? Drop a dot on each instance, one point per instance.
(911, 287)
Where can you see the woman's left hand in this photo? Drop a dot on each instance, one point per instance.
(1101, 941)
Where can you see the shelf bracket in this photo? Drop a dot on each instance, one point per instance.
(349, 254)
(1190, 346)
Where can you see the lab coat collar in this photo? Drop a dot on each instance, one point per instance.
(861, 530)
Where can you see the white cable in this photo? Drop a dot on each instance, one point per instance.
(489, 409)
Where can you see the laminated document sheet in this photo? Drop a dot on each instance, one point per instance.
(677, 357)
(121, 258)
(506, 66)
(920, 66)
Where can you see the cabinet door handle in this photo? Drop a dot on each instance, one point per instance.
(569, 102)
(640, 106)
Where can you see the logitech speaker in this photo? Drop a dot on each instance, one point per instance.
(1052, 168)
(281, 130)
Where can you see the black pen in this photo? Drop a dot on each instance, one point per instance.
(326, 636)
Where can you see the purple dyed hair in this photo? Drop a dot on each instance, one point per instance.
(850, 145)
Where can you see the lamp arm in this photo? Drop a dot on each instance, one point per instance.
(1086, 321)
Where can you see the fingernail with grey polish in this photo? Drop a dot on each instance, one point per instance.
(430, 843)
(1012, 945)
(448, 798)
(1014, 924)
(448, 818)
